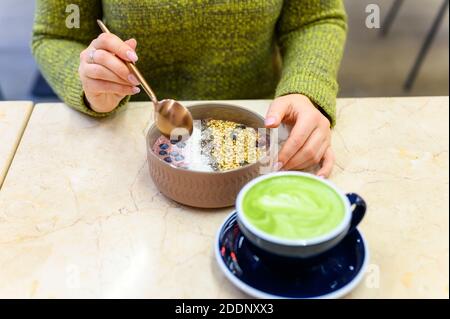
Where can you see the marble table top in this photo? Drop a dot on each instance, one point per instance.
(13, 119)
(80, 216)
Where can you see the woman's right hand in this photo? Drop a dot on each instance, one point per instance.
(105, 77)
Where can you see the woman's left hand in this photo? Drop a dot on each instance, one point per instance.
(308, 143)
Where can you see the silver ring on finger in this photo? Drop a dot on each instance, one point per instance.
(91, 56)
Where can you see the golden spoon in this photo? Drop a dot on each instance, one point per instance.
(172, 119)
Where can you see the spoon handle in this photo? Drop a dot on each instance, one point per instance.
(135, 71)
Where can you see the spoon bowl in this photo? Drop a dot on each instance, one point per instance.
(173, 120)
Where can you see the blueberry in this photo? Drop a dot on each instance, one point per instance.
(179, 158)
(234, 136)
(162, 153)
(173, 141)
(163, 146)
(168, 159)
(174, 153)
(181, 144)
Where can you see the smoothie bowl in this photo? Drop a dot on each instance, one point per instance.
(226, 150)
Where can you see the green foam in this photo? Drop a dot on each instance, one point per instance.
(293, 207)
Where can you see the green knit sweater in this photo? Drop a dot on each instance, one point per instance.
(202, 49)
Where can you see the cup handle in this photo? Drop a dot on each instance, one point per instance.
(359, 210)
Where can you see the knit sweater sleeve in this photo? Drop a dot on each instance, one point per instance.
(311, 36)
(57, 48)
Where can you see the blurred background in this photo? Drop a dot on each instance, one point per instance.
(377, 61)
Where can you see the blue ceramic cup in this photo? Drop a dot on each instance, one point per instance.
(355, 208)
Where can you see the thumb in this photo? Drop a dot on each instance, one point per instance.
(327, 163)
(132, 43)
(276, 112)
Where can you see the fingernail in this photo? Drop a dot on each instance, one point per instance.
(277, 166)
(132, 56)
(270, 121)
(133, 79)
(136, 90)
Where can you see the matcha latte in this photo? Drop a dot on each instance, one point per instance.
(293, 207)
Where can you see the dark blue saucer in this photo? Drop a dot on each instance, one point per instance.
(260, 274)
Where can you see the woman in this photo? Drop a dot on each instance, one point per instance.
(203, 49)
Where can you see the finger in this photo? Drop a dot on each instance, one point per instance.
(112, 43)
(311, 152)
(276, 112)
(100, 72)
(316, 160)
(101, 86)
(111, 62)
(300, 133)
(132, 43)
(327, 163)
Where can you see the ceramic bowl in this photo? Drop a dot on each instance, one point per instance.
(200, 188)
